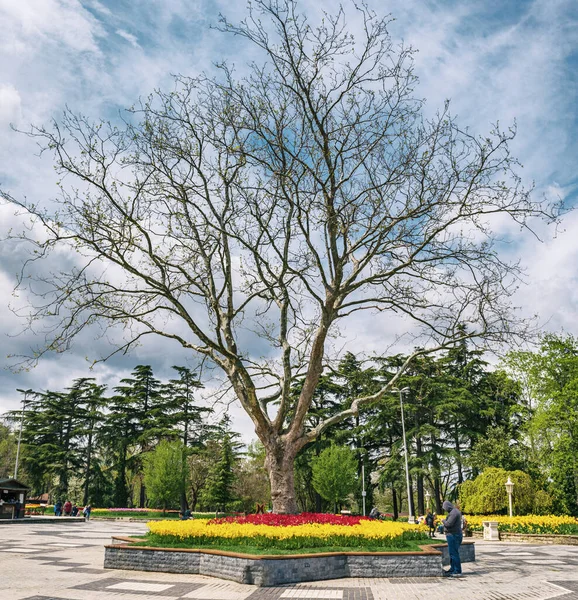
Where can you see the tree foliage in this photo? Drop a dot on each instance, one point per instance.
(496, 449)
(487, 495)
(165, 474)
(251, 485)
(89, 446)
(219, 490)
(8, 443)
(550, 379)
(335, 473)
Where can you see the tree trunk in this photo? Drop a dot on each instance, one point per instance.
(87, 470)
(142, 495)
(183, 501)
(120, 491)
(317, 494)
(280, 467)
(437, 493)
(419, 478)
(458, 453)
(394, 503)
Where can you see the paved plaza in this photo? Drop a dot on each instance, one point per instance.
(64, 562)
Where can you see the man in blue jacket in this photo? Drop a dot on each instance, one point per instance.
(453, 530)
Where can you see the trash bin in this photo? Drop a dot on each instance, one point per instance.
(491, 531)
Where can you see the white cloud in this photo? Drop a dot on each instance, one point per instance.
(10, 105)
(129, 37)
(37, 24)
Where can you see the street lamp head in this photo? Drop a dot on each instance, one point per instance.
(404, 390)
(509, 485)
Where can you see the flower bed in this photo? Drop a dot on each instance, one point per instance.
(535, 524)
(275, 520)
(37, 509)
(287, 533)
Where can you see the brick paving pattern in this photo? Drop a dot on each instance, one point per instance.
(54, 562)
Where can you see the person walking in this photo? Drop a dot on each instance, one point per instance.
(430, 522)
(86, 512)
(453, 530)
(58, 509)
(67, 508)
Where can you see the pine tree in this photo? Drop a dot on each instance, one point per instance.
(219, 491)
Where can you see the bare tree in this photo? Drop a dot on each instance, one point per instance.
(277, 205)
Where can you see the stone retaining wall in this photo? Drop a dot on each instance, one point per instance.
(274, 570)
(467, 552)
(533, 538)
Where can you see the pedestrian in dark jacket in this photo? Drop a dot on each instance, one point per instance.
(58, 509)
(374, 513)
(453, 530)
(430, 522)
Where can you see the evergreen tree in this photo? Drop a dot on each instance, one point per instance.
(120, 433)
(8, 442)
(151, 423)
(219, 491)
(89, 400)
(186, 417)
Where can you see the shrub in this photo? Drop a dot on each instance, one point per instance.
(487, 493)
(543, 503)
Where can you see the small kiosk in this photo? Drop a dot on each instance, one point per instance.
(12, 496)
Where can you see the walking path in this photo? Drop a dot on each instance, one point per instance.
(64, 562)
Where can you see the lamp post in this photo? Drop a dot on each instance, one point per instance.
(363, 492)
(510, 489)
(403, 391)
(25, 392)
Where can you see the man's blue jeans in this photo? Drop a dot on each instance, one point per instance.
(454, 542)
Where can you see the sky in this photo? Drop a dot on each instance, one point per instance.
(496, 61)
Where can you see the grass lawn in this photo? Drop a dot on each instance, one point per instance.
(146, 516)
(159, 542)
(127, 515)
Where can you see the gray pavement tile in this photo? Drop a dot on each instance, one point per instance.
(87, 570)
(571, 586)
(139, 586)
(313, 593)
(44, 598)
(46, 556)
